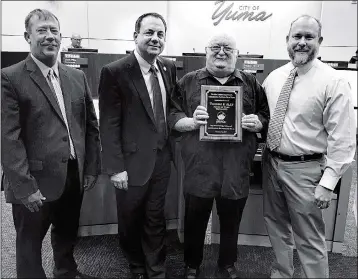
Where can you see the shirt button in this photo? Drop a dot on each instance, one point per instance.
(154, 149)
(64, 160)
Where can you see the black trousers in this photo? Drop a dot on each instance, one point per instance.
(197, 214)
(31, 228)
(141, 220)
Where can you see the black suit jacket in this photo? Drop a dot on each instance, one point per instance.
(127, 125)
(35, 146)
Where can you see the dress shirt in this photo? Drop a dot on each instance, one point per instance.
(145, 69)
(319, 118)
(44, 70)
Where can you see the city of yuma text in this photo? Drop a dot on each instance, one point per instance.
(227, 13)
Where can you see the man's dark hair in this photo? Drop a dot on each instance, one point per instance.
(140, 19)
(308, 16)
(42, 14)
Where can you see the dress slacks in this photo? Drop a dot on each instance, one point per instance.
(31, 228)
(291, 216)
(197, 214)
(141, 220)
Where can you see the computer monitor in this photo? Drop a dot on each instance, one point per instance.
(82, 50)
(252, 56)
(194, 54)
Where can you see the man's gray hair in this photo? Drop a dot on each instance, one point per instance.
(42, 14)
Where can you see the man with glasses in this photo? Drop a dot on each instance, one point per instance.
(217, 170)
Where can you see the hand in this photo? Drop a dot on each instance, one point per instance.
(34, 201)
(120, 180)
(89, 182)
(199, 116)
(251, 123)
(322, 197)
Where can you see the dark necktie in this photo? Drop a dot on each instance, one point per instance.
(158, 109)
(274, 133)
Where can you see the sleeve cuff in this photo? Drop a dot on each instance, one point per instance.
(328, 180)
(173, 119)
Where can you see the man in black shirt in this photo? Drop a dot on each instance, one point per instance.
(213, 169)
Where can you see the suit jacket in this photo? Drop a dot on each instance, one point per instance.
(127, 125)
(35, 146)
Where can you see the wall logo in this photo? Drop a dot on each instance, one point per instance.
(226, 12)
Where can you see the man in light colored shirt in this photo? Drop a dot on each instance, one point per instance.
(316, 146)
(133, 103)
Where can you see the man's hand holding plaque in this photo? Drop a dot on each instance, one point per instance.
(199, 116)
(251, 122)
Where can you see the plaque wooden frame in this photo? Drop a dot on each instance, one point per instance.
(236, 135)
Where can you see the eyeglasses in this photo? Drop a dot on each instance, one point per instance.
(217, 49)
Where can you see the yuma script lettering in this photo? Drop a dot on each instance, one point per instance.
(226, 13)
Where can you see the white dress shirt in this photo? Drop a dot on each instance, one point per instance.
(45, 70)
(145, 69)
(319, 118)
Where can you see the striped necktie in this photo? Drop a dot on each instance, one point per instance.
(56, 89)
(158, 108)
(274, 133)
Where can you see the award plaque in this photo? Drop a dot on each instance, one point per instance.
(224, 106)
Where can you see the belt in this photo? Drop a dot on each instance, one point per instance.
(289, 158)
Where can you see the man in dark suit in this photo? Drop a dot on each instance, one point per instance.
(134, 99)
(50, 148)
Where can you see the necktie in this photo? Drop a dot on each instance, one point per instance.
(276, 123)
(56, 89)
(158, 107)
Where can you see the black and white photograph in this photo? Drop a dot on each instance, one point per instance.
(178, 139)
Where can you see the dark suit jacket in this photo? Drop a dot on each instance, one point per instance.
(127, 126)
(35, 146)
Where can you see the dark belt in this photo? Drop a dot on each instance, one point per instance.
(289, 158)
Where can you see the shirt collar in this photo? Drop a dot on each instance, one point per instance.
(204, 73)
(143, 64)
(314, 63)
(44, 69)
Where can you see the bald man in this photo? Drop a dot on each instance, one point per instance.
(76, 40)
(216, 170)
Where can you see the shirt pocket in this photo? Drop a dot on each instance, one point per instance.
(248, 102)
(194, 101)
(311, 110)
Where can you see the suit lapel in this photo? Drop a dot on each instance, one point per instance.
(66, 91)
(37, 76)
(136, 76)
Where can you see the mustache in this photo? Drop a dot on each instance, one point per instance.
(301, 49)
(49, 44)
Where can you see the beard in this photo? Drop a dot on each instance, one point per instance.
(300, 59)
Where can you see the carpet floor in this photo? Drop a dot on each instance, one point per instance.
(100, 256)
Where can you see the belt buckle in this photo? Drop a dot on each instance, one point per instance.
(302, 157)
